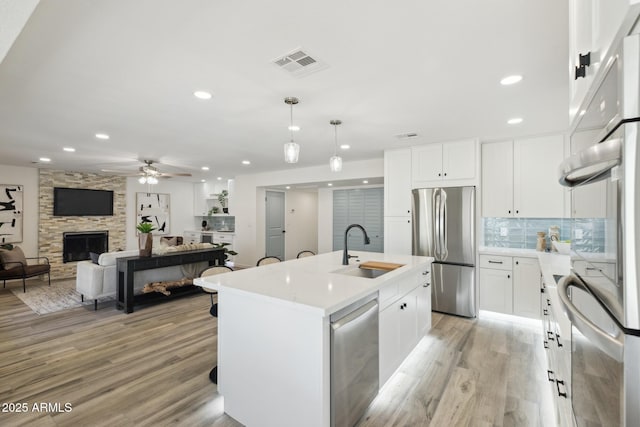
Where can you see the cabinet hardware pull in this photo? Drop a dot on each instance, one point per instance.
(550, 336)
(495, 262)
(548, 302)
(439, 174)
(546, 313)
(545, 343)
(549, 376)
(558, 340)
(509, 211)
(561, 394)
(584, 60)
(517, 211)
(580, 72)
(508, 276)
(445, 174)
(517, 262)
(424, 273)
(593, 269)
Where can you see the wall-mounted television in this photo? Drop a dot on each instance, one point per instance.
(82, 202)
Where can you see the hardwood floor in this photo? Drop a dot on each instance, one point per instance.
(150, 368)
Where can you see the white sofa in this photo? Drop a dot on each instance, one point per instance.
(94, 281)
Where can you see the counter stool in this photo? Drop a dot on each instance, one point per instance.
(213, 374)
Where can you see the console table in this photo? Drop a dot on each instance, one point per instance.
(127, 266)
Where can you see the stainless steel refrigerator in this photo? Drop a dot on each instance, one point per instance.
(444, 228)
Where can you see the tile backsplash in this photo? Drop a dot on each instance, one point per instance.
(521, 233)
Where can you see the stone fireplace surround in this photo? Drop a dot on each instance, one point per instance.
(51, 228)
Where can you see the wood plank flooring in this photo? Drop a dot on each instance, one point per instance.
(150, 368)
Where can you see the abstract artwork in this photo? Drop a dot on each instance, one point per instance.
(154, 208)
(10, 213)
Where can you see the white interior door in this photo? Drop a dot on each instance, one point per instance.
(274, 224)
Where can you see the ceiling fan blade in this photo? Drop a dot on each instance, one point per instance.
(174, 174)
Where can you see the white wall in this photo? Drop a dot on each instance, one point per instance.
(301, 222)
(27, 177)
(181, 200)
(248, 201)
(325, 220)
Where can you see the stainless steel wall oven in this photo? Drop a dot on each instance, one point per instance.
(604, 305)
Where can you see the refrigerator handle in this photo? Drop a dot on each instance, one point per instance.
(436, 222)
(444, 252)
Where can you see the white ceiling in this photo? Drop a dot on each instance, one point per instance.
(129, 69)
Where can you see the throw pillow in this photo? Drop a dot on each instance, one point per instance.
(94, 257)
(10, 258)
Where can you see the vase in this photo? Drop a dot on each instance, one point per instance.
(145, 243)
(225, 210)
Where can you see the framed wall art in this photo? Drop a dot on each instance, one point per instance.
(154, 208)
(11, 213)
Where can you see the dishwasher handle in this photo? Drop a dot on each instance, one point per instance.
(343, 321)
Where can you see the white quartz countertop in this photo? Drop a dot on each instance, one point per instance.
(311, 283)
(527, 253)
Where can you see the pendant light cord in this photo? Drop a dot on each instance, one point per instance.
(335, 147)
(291, 122)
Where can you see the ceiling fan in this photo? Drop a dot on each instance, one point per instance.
(149, 174)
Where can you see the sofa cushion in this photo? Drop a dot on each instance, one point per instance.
(10, 258)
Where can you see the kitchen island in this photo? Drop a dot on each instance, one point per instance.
(274, 330)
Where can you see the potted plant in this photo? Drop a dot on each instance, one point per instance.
(145, 238)
(227, 251)
(222, 198)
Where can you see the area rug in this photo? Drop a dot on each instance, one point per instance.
(61, 295)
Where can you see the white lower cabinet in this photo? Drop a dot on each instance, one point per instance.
(510, 285)
(397, 235)
(496, 290)
(526, 287)
(405, 315)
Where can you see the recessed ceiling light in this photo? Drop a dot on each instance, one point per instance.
(514, 121)
(69, 149)
(201, 94)
(205, 168)
(219, 178)
(102, 136)
(287, 187)
(365, 182)
(45, 159)
(294, 128)
(246, 162)
(345, 146)
(329, 185)
(203, 180)
(510, 80)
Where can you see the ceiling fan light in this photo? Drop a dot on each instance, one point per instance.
(335, 163)
(291, 152)
(152, 180)
(142, 180)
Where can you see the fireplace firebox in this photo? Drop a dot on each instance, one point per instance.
(78, 246)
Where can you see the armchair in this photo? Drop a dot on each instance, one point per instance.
(14, 265)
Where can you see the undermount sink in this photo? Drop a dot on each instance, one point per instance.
(356, 271)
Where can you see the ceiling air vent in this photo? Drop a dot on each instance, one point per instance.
(407, 135)
(299, 63)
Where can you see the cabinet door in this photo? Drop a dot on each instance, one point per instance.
(397, 235)
(408, 324)
(397, 182)
(388, 341)
(497, 179)
(459, 160)
(426, 163)
(536, 190)
(199, 199)
(496, 291)
(526, 287)
(423, 307)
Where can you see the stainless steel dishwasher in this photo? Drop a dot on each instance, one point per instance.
(354, 361)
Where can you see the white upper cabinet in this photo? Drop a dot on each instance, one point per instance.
(520, 178)
(443, 164)
(397, 182)
(536, 190)
(497, 179)
(594, 27)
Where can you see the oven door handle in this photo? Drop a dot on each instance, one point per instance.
(611, 345)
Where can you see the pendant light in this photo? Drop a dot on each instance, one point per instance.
(335, 162)
(291, 149)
